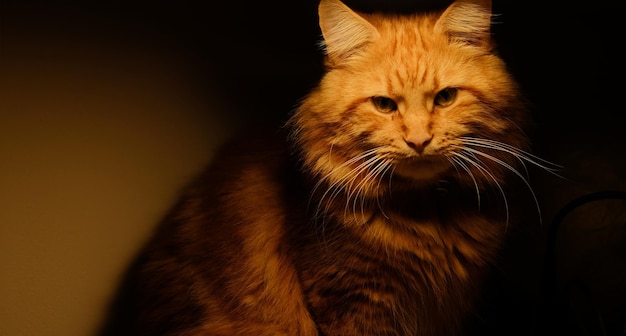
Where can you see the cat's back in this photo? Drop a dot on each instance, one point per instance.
(255, 166)
(244, 183)
(223, 252)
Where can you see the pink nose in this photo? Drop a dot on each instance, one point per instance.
(419, 141)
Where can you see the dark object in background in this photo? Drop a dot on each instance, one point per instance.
(585, 268)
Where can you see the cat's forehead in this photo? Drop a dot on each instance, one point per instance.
(406, 28)
(410, 42)
(410, 55)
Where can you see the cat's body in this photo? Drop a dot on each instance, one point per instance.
(379, 211)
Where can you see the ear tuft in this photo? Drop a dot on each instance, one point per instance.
(344, 31)
(467, 21)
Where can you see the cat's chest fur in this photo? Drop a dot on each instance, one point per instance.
(383, 266)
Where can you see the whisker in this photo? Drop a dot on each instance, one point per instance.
(499, 146)
(339, 183)
(381, 168)
(363, 168)
(512, 169)
(387, 165)
(479, 165)
(369, 165)
(374, 171)
(518, 153)
(335, 188)
(456, 161)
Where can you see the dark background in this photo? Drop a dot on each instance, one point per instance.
(261, 57)
(567, 55)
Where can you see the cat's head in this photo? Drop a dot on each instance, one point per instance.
(411, 98)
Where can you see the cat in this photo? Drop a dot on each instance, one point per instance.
(379, 207)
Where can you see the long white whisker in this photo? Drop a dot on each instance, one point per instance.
(367, 165)
(378, 167)
(386, 165)
(456, 161)
(479, 165)
(337, 186)
(377, 174)
(354, 191)
(518, 153)
(333, 189)
(375, 170)
(512, 169)
(498, 146)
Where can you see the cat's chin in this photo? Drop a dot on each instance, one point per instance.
(423, 170)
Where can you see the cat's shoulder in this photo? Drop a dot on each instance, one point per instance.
(255, 156)
(255, 147)
(254, 141)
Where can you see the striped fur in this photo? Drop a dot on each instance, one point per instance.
(347, 228)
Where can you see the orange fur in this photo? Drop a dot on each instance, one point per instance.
(342, 230)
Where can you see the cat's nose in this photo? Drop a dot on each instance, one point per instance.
(419, 142)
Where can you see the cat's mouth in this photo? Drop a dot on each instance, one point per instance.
(427, 168)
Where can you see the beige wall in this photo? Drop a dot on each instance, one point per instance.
(97, 136)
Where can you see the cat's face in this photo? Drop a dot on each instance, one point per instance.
(411, 101)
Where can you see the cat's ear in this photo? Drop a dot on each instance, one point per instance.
(344, 30)
(467, 21)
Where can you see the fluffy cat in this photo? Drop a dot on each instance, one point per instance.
(378, 211)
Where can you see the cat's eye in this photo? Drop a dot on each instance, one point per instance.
(445, 97)
(384, 104)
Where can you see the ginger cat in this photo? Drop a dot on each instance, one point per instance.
(377, 212)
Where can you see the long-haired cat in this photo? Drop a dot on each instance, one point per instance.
(378, 211)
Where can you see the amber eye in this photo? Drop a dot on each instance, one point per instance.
(384, 104)
(445, 97)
